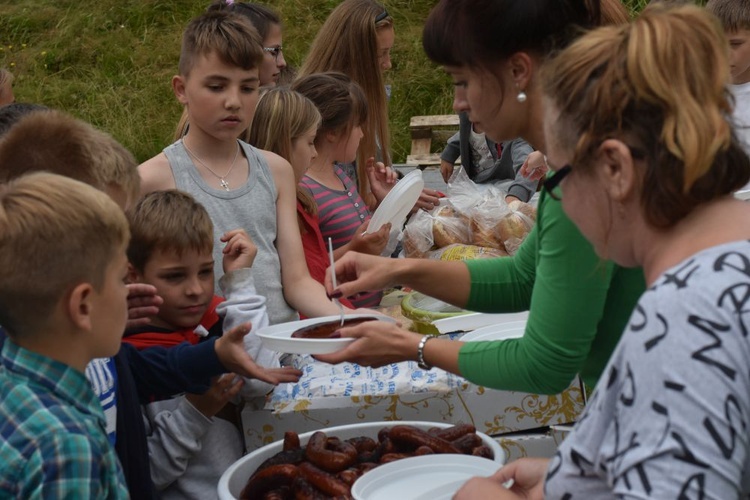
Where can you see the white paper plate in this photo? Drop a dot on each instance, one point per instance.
(468, 322)
(279, 337)
(503, 331)
(743, 195)
(398, 202)
(236, 476)
(429, 477)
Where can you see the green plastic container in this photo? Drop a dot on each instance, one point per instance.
(422, 310)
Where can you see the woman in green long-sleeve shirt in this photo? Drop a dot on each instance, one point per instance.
(578, 307)
(578, 304)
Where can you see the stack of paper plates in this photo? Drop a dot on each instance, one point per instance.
(398, 202)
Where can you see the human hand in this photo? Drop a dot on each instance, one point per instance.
(230, 349)
(446, 169)
(535, 167)
(382, 178)
(428, 199)
(239, 251)
(527, 474)
(378, 343)
(358, 272)
(510, 199)
(143, 303)
(223, 389)
(370, 243)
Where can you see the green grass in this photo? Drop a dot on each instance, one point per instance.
(110, 62)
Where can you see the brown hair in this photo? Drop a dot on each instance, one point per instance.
(658, 84)
(734, 15)
(613, 12)
(347, 42)
(282, 116)
(56, 142)
(493, 30)
(261, 16)
(168, 221)
(339, 99)
(55, 233)
(230, 36)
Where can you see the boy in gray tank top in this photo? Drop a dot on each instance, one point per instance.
(240, 186)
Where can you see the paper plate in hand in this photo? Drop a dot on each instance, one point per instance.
(429, 477)
(279, 337)
(503, 331)
(398, 202)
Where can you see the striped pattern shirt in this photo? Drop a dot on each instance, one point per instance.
(53, 442)
(340, 213)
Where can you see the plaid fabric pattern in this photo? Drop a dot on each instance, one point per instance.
(53, 442)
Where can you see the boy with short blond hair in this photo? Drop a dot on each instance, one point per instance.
(172, 249)
(239, 185)
(734, 16)
(79, 151)
(63, 302)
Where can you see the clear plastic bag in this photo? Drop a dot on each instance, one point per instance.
(417, 237)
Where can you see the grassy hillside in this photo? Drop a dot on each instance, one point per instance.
(110, 61)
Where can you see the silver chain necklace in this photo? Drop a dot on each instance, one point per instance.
(222, 179)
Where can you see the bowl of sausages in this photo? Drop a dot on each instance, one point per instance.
(328, 462)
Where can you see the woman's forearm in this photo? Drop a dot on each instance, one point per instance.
(443, 280)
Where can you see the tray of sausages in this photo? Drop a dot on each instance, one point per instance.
(326, 463)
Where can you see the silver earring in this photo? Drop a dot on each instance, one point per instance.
(521, 97)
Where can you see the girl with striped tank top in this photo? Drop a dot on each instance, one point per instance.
(342, 213)
(286, 123)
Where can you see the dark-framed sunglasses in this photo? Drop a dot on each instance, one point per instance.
(274, 51)
(381, 16)
(551, 184)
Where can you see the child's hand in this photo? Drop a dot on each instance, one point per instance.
(222, 390)
(535, 167)
(370, 243)
(382, 178)
(239, 251)
(428, 199)
(230, 349)
(143, 302)
(446, 169)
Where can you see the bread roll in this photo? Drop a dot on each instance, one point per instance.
(449, 227)
(524, 208)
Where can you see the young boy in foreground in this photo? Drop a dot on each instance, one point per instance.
(172, 249)
(63, 302)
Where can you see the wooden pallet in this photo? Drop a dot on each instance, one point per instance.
(423, 131)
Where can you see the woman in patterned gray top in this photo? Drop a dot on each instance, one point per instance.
(636, 125)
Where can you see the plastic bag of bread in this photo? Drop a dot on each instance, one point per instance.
(417, 236)
(449, 227)
(485, 217)
(463, 193)
(513, 228)
(466, 252)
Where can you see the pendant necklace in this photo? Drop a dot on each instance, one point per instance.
(222, 179)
